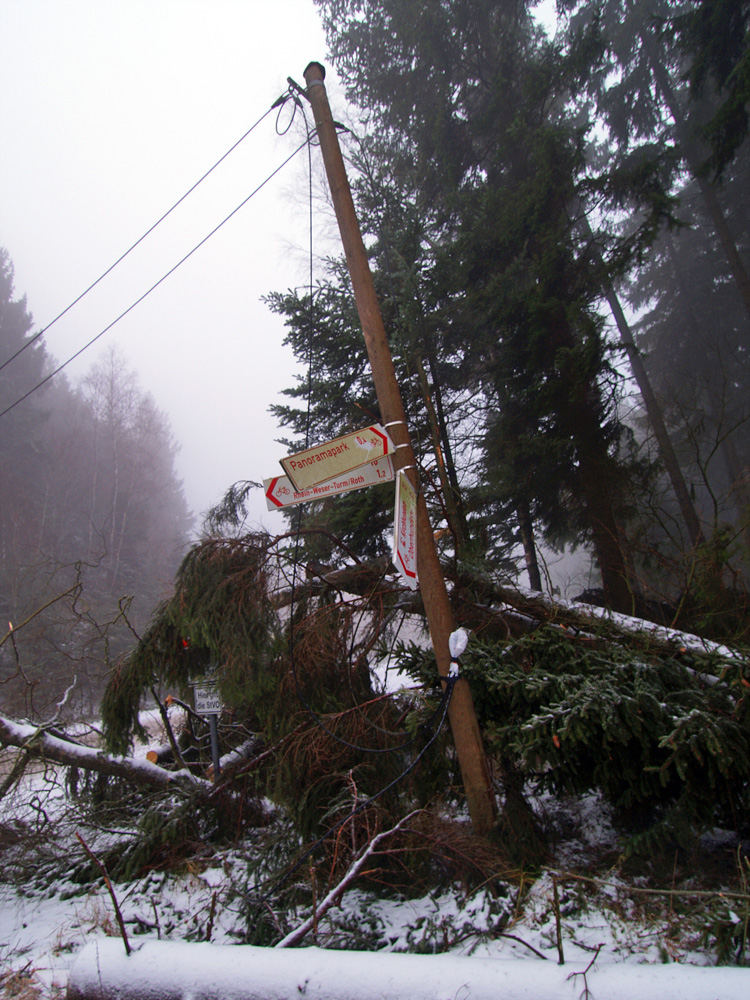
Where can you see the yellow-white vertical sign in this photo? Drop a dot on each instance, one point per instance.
(405, 531)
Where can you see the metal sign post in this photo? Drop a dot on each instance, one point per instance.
(208, 704)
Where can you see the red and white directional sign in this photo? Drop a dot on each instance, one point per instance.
(405, 531)
(280, 491)
(333, 458)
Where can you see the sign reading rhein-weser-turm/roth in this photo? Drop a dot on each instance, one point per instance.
(405, 531)
(333, 458)
(280, 491)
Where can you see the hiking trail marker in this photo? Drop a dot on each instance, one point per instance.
(351, 462)
(280, 490)
(208, 704)
(333, 458)
(405, 531)
(207, 699)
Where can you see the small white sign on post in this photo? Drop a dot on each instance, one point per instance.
(207, 698)
(334, 458)
(405, 531)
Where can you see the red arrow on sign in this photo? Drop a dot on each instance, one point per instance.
(405, 531)
(280, 491)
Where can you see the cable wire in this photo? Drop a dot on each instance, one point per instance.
(153, 287)
(32, 340)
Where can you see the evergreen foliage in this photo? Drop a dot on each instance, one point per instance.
(303, 685)
(508, 183)
(715, 37)
(500, 293)
(219, 621)
(663, 77)
(334, 396)
(665, 739)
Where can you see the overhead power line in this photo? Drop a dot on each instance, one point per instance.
(132, 247)
(156, 284)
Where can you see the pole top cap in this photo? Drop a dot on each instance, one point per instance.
(311, 67)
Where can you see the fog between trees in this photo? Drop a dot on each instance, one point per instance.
(559, 238)
(92, 517)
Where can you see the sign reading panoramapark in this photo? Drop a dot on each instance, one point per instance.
(280, 491)
(405, 531)
(333, 458)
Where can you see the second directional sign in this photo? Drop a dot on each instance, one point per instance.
(333, 458)
(280, 491)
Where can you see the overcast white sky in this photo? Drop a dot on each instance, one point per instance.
(111, 110)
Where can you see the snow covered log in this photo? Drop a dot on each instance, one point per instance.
(177, 970)
(40, 743)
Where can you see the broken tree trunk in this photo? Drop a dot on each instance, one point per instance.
(498, 612)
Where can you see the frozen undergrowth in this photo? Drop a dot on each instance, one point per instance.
(47, 914)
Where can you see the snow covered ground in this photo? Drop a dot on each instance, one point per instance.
(49, 920)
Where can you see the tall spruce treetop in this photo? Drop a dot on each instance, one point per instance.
(715, 37)
(435, 75)
(637, 81)
(477, 95)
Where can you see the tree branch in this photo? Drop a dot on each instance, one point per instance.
(297, 935)
(40, 743)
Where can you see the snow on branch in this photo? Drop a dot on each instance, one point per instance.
(299, 933)
(40, 743)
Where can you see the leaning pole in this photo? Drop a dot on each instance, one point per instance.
(464, 727)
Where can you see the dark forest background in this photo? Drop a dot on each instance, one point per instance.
(558, 228)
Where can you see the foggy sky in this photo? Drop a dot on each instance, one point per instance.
(112, 109)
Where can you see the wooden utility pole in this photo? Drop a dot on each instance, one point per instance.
(464, 726)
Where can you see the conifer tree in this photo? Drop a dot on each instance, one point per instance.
(715, 37)
(23, 429)
(636, 83)
(474, 94)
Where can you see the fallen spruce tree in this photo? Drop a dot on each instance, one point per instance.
(569, 699)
